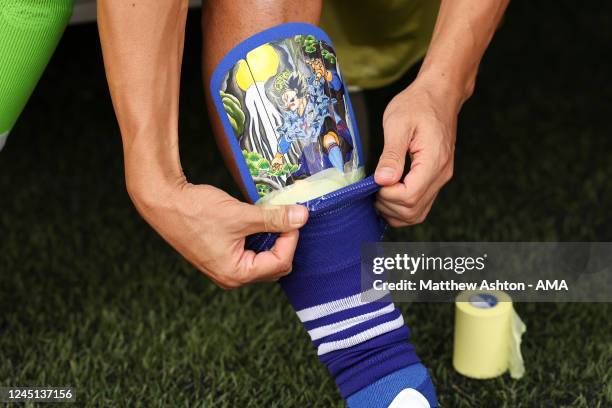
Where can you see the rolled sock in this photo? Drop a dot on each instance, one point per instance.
(359, 335)
(29, 33)
(410, 385)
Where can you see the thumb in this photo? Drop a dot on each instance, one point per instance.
(390, 166)
(274, 218)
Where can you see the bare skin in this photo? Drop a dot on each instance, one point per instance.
(142, 43)
(421, 121)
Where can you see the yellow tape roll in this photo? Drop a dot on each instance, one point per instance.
(487, 335)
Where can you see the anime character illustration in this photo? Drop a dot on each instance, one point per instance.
(287, 107)
(309, 116)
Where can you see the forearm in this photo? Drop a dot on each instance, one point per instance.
(142, 44)
(421, 121)
(462, 33)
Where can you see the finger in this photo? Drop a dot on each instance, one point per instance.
(396, 223)
(390, 218)
(396, 193)
(276, 218)
(272, 264)
(411, 215)
(431, 162)
(419, 180)
(391, 164)
(391, 211)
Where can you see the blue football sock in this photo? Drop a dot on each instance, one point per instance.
(384, 391)
(359, 334)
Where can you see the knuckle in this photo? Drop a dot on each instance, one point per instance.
(396, 223)
(228, 284)
(231, 279)
(223, 278)
(410, 201)
(390, 111)
(391, 222)
(242, 278)
(274, 218)
(285, 266)
(391, 156)
(448, 174)
(420, 219)
(405, 213)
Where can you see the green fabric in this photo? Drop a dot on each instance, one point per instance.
(378, 41)
(29, 33)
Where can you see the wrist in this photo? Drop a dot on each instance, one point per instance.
(455, 87)
(152, 171)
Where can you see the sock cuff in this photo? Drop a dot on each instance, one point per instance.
(324, 207)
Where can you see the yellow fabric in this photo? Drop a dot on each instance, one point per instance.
(378, 41)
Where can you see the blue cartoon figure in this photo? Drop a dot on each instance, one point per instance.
(311, 121)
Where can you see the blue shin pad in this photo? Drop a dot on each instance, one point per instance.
(359, 336)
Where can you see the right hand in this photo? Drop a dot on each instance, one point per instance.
(208, 227)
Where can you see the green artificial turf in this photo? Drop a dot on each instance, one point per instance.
(91, 298)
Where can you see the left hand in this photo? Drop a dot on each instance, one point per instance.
(420, 121)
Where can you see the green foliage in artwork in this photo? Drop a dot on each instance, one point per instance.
(233, 108)
(260, 167)
(310, 45)
(330, 57)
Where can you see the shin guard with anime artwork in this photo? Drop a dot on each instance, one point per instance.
(29, 33)
(288, 119)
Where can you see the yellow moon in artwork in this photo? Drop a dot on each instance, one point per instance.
(260, 64)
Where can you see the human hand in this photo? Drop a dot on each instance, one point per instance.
(208, 227)
(420, 121)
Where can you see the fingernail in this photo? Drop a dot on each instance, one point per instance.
(385, 173)
(297, 216)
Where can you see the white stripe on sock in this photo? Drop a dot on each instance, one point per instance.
(324, 331)
(409, 397)
(365, 335)
(315, 312)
